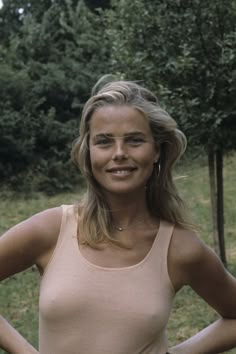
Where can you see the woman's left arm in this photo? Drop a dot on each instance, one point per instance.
(199, 267)
(216, 338)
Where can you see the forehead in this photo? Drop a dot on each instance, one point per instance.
(118, 120)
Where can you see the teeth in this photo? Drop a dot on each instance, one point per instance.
(121, 172)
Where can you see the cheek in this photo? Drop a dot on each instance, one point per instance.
(148, 163)
(148, 157)
(149, 169)
(97, 158)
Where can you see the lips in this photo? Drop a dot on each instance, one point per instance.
(121, 169)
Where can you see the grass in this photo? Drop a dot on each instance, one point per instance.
(19, 294)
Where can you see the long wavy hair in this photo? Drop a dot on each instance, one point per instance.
(95, 218)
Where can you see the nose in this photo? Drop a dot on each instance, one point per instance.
(120, 151)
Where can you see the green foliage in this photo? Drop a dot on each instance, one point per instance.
(185, 51)
(13, 12)
(94, 5)
(52, 58)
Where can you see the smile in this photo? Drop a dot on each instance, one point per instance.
(121, 171)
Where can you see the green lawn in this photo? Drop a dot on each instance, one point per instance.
(19, 294)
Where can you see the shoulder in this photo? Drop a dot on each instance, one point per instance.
(191, 262)
(42, 226)
(41, 232)
(45, 222)
(30, 241)
(186, 246)
(188, 254)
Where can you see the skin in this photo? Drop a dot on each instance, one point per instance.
(122, 167)
(122, 150)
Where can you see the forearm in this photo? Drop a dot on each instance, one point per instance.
(12, 342)
(216, 338)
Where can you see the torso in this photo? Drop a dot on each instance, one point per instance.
(80, 289)
(140, 242)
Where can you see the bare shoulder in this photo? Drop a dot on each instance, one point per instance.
(45, 224)
(188, 253)
(186, 247)
(191, 262)
(29, 242)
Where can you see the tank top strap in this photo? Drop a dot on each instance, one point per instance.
(164, 235)
(62, 225)
(68, 224)
(159, 251)
(68, 214)
(163, 238)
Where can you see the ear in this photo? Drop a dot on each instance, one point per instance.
(156, 155)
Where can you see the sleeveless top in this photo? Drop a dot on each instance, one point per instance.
(90, 309)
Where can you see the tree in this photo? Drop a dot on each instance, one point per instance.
(53, 59)
(185, 51)
(13, 12)
(94, 5)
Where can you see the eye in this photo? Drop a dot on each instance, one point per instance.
(135, 140)
(103, 142)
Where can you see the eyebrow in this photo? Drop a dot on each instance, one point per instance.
(108, 135)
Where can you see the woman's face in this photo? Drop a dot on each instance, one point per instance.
(122, 149)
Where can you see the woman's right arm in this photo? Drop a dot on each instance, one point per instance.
(11, 340)
(29, 242)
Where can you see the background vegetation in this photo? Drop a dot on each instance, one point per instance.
(52, 53)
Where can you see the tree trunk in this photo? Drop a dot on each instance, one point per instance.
(220, 204)
(213, 194)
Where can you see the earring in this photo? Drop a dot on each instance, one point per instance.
(157, 166)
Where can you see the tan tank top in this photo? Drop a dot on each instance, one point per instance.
(89, 309)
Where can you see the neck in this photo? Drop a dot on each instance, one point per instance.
(127, 209)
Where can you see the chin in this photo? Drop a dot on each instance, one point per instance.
(125, 190)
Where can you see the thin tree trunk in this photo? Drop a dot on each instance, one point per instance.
(213, 194)
(220, 204)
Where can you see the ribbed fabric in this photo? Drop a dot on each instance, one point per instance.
(89, 309)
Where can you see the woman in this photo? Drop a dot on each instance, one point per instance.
(112, 264)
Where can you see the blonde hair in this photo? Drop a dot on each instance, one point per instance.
(163, 200)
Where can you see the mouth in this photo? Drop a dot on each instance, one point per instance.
(121, 171)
